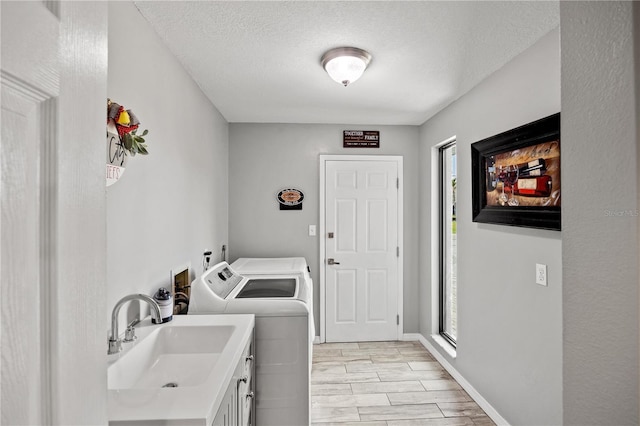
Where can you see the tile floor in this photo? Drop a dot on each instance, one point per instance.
(386, 384)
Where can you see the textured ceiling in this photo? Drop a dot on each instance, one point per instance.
(259, 61)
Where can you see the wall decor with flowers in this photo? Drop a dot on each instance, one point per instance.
(122, 140)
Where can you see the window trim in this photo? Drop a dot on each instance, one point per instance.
(441, 234)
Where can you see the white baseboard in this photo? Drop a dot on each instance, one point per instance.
(316, 340)
(473, 393)
(411, 337)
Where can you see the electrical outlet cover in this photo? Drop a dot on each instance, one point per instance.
(541, 274)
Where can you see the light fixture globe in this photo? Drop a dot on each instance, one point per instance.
(345, 64)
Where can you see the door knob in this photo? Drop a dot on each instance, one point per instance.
(331, 261)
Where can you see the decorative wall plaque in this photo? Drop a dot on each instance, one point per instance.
(116, 156)
(290, 199)
(122, 140)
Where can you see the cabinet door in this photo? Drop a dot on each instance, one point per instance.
(237, 406)
(246, 395)
(225, 412)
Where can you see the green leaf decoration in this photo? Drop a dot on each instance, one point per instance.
(128, 141)
(135, 144)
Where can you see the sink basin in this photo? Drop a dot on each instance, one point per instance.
(177, 372)
(176, 356)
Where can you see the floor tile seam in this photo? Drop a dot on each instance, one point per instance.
(407, 417)
(390, 383)
(350, 384)
(462, 413)
(440, 409)
(402, 378)
(423, 402)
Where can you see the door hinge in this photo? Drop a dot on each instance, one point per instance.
(397, 251)
(398, 183)
(397, 319)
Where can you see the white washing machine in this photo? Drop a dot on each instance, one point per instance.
(262, 266)
(281, 300)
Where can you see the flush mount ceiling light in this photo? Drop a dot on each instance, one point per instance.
(345, 64)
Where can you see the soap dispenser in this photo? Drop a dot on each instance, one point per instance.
(165, 302)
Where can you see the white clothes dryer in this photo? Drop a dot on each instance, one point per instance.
(282, 304)
(270, 266)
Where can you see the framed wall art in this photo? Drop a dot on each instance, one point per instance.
(516, 176)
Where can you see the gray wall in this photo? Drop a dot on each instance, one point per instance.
(264, 158)
(600, 223)
(509, 328)
(169, 206)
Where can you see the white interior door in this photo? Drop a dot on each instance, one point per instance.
(52, 190)
(361, 250)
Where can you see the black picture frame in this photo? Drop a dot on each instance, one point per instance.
(539, 212)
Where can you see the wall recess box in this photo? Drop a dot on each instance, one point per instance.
(181, 288)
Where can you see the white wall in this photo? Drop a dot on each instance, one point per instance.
(264, 158)
(169, 206)
(509, 328)
(600, 223)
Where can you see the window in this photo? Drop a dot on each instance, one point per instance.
(448, 243)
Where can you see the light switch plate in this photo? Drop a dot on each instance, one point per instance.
(312, 230)
(541, 274)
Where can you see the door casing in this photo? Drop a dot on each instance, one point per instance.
(53, 254)
(324, 158)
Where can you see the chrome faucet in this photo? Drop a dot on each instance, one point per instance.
(115, 344)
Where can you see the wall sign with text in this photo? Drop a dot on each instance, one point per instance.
(361, 139)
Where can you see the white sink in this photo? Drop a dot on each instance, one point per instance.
(178, 370)
(172, 356)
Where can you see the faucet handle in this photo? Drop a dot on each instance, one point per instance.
(115, 346)
(130, 332)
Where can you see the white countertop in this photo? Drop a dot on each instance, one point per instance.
(188, 405)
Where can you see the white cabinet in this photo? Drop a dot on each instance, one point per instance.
(238, 405)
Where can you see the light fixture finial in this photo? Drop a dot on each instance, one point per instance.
(345, 64)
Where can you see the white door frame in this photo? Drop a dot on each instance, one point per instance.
(54, 345)
(323, 162)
